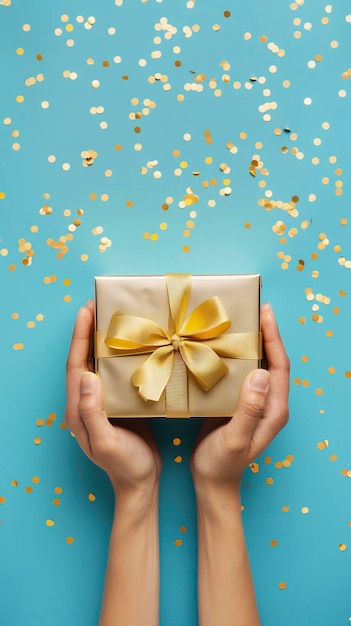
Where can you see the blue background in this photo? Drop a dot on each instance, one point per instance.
(43, 578)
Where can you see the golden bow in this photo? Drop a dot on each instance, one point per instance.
(196, 343)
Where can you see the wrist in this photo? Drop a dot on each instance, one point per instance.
(218, 501)
(137, 502)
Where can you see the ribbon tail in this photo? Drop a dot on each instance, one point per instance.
(203, 363)
(153, 375)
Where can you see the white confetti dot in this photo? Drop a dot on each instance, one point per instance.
(307, 101)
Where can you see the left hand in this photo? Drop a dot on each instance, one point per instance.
(127, 451)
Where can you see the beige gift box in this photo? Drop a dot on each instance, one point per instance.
(234, 297)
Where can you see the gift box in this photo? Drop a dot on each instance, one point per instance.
(175, 345)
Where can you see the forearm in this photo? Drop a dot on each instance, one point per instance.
(225, 587)
(131, 594)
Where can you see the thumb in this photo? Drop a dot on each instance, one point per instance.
(91, 405)
(251, 406)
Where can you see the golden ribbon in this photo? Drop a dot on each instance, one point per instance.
(195, 343)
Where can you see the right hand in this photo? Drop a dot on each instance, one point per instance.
(225, 447)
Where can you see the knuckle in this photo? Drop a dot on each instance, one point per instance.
(102, 447)
(253, 407)
(87, 408)
(234, 445)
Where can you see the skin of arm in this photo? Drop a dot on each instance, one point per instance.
(224, 449)
(128, 453)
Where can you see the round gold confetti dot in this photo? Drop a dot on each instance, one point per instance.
(178, 458)
(285, 509)
(186, 249)
(29, 489)
(14, 483)
(347, 374)
(333, 457)
(67, 298)
(50, 522)
(177, 441)
(342, 547)
(178, 542)
(37, 441)
(18, 346)
(274, 543)
(35, 480)
(69, 540)
(56, 502)
(282, 585)
(2, 499)
(269, 481)
(83, 257)
(58, 490)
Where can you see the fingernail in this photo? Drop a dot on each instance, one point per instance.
(87, 383)
(259, 380)
(267, 307)
(90, 300)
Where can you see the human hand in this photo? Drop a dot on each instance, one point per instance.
(127, 451)
(225, 448)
